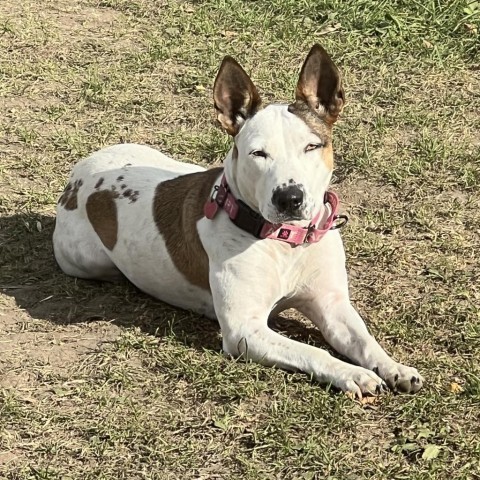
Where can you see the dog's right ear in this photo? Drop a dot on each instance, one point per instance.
(236, 97)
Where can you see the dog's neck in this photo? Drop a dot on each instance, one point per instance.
(252, 222)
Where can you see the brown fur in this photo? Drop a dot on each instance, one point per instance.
(234, 95)
(177, 207)
(68, 199)
(102, 214)
(320, 85)
(328, 155)
(318, 126)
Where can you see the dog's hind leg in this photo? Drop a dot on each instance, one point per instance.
(81, 254)
(97, 266)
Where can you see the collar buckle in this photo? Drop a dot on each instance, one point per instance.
(339, 221)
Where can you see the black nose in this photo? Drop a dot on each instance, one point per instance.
(288, 199)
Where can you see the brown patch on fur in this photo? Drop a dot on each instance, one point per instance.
(313, 121)
(177, 207)
(134, 196)
(99, 183)
(66, 193)
(102, 214)
(68, 199)
(328, 155)
(320, 128)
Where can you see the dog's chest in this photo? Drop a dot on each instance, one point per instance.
(270, 264)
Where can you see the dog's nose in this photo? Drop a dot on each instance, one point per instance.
(288, 200)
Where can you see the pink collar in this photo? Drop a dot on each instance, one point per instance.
(250, 221)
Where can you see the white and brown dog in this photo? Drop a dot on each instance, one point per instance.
(236, 243)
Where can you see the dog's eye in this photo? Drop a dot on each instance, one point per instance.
(313, 146)
(258, 153)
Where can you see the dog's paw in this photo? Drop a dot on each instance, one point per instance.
(400, 378)
(359, 381)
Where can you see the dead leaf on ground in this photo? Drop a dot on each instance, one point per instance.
(431, 452)
(455, 388)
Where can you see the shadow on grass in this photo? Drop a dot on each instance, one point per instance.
(31, 276)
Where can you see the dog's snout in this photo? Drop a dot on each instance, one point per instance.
(288, 199)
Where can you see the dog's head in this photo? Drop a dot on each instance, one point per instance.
(282, 160)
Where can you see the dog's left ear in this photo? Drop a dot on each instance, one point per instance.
(320, 85)
(236, 97)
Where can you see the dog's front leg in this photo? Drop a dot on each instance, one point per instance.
(243, 310)
(344, 329)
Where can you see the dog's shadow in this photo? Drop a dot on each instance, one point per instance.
(30, 275)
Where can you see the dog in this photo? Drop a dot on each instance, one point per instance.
(238, 243)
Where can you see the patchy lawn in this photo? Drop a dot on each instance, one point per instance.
(99, 381)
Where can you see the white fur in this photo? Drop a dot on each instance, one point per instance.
(249, 278)
(283, 136)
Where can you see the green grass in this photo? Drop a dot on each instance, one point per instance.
(99, 381)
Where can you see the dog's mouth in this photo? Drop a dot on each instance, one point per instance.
(301, 218)
(295, 219)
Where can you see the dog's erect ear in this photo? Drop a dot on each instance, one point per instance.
(320, 85)
(236, 97)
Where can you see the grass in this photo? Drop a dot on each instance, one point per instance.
(99, 381)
